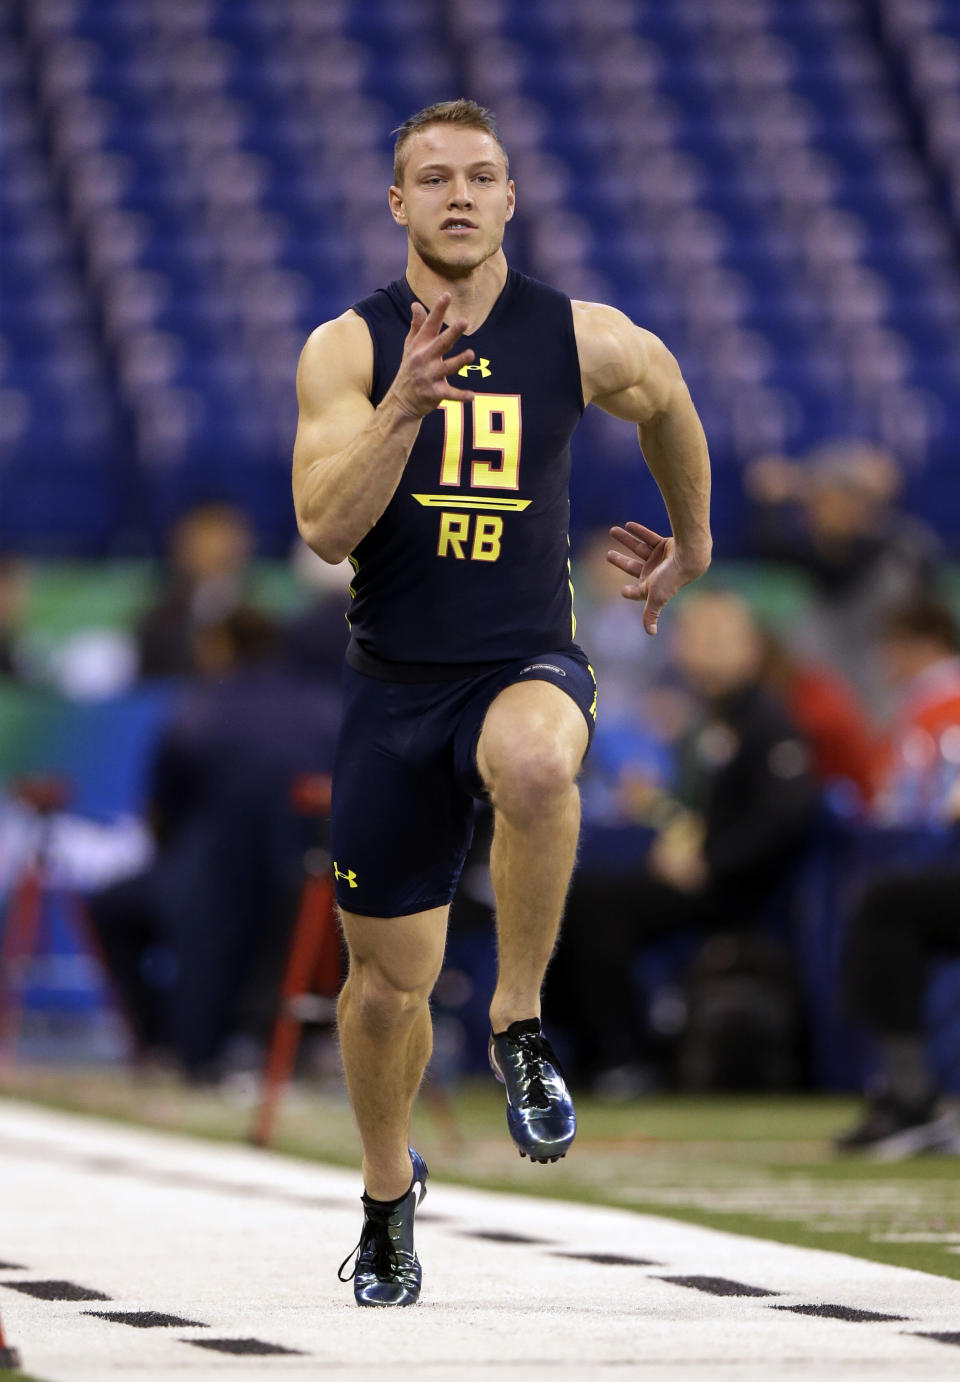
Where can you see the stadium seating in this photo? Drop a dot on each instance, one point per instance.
(191, 185)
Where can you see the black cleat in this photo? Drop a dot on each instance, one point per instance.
(890, 1131)
(540, 1112)
(387, 1270)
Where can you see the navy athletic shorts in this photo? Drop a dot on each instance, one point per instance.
(405, 779)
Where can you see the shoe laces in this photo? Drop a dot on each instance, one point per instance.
(375, 1234)
(535, 1049)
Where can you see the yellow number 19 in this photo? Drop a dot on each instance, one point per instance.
(496, 427)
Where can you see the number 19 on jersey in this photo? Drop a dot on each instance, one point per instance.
(496, 423)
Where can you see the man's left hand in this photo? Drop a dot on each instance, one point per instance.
(659, 568)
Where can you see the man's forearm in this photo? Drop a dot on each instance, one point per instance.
(340, 498)
(675, 450)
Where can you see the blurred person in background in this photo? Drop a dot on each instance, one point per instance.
(462, 678)
(909, 917)
(14, 591)
(832, 719)
(726, 840)
(196, 943)
(315, 639)
(205, 578)
(835, 517)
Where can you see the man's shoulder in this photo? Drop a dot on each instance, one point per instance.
(389, 304)
(526, 285)
(347, 329)
(340, 348)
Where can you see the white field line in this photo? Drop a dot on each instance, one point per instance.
(248, 1244)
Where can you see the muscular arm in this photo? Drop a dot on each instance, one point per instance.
(348, 456)
(629, 373)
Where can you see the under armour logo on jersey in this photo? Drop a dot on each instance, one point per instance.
(482, 365)
(344, 875)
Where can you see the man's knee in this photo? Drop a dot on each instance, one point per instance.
(381, 1004)
(529, 776)
(533, 741)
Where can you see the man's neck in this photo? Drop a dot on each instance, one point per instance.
(472, 296)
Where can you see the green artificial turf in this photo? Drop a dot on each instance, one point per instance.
(756, 1165)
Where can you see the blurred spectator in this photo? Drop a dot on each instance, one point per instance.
(826, 710)
(14, 588)
(921, 763)
(723, 847)
(208, 564)
(910, 917)
(196, 943)
(835, 517)
(316, 639)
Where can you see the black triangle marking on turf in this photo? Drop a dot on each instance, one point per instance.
(144, 1319)
(54, 1290)
(241, 1346)
(608, 1259)
(951, 1338)
(838, 1312)
(717, 1285)
(492, 1235)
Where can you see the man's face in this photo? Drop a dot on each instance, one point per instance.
(717, 644)
(209, 543)
(454, 197)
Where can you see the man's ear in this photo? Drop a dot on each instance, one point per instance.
(511, 198)
(397, 211)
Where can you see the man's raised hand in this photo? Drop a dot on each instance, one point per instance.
(421, 381)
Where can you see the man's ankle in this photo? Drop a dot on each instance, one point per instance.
(503, 1017)
(387, 1184)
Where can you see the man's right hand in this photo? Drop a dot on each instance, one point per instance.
(421, 381)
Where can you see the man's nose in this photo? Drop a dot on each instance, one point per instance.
(460, 193)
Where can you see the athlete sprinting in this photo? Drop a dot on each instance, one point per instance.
(433, 450)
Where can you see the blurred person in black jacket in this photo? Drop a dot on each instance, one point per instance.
(745, 801)
(315, 639)
(207, 569)
(194, 942)
(836, 516)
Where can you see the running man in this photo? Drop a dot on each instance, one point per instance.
(433, 451)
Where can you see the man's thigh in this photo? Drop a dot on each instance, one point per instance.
(406, 951)
(547, 701)
(401, 825)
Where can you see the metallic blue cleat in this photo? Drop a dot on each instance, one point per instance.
(387, 1270)
(540, 1112)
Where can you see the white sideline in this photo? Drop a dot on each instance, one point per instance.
(248, 1243)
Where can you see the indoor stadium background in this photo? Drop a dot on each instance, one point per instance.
(189, 186)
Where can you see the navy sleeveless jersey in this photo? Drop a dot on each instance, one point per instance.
(469, 563)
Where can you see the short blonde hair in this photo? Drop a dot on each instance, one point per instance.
(462, 112)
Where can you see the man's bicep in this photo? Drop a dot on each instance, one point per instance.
(324, 431)
(628, 371)
(657, 386)
(333, 383)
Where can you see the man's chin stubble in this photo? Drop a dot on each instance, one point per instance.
(448, 269)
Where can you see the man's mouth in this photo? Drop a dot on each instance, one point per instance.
(453, 224)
